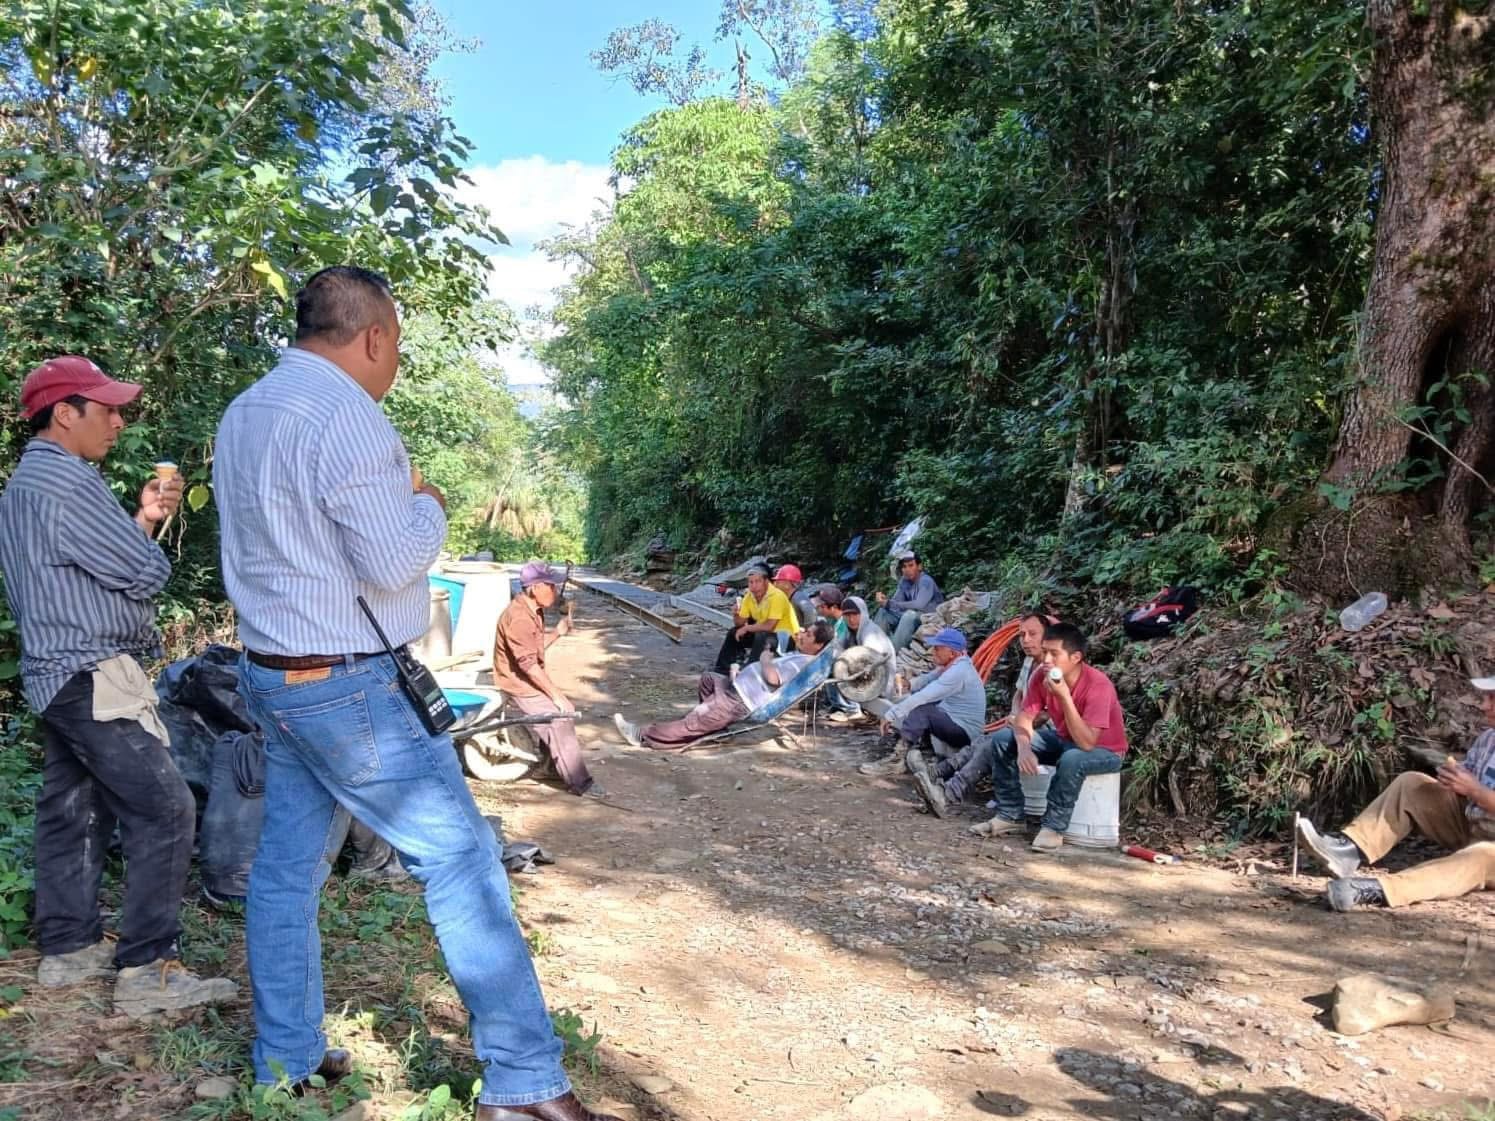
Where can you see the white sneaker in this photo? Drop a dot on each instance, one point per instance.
(932, 792)
(628, 730)
(166, 985)
(91, 963)
(997, 827)
(1048, 840)
(917, 764)
(840, 716)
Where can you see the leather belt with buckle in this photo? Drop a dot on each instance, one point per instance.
(305, 661)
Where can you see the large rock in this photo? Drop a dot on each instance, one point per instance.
(896, 1102)
(1367, 1001)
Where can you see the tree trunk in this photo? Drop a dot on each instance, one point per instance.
(1427, 312)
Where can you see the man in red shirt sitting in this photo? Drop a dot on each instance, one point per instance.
(1084, 737)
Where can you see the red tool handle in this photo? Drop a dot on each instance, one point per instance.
(1148, 855)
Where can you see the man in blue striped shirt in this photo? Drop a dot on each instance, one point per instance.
(318, 507)
(80, 574)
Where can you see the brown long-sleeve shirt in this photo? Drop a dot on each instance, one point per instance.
(519, 648)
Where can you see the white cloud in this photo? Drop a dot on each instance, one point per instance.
(532, 199)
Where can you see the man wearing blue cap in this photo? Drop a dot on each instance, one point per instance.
(946, 706)
(519, 670)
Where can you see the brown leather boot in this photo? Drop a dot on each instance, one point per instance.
(567, 1107)
(336, 1065)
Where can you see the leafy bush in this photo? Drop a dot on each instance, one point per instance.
(20, 779)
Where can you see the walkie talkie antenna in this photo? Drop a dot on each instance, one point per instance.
(378, 630)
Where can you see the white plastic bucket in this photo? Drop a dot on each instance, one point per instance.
(1036, 790)
(1096, 822)
(485, 594)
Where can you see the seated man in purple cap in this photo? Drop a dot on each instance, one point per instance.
(81, 576)
(1455, 808)
(946, 706)
(1084, 736)
(519, 670)
(725, 700)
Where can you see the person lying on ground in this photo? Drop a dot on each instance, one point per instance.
(856, 629)
(1455, 808)
(945, 782)
(916, 595)
(724, 700)
(1085, 736)
(945, 709)
(519, 647)
(82, 576)
(763, 612)
(791, 581)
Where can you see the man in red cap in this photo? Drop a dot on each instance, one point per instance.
(791, 581)
(80, 574)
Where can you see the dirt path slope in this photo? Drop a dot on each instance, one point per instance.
(759, 932)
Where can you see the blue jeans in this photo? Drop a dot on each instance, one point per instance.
(900, 625)
(837, 703)
(1072, 765)
(350, 742)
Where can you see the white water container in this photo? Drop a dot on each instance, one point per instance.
(1096, 822)
(1362, 611)
(485, 594)
(1036, 790)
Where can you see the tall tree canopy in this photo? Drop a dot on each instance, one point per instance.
(1081, 283)
(170, 170)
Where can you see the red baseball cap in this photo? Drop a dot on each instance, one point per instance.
(791, 573)
(71, 375)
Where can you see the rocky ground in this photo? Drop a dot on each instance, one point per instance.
(760, 932)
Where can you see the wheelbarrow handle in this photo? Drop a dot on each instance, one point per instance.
(510, 721)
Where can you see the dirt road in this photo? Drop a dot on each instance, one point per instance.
(759, 932)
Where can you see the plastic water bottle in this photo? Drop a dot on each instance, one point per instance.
(1362, 611)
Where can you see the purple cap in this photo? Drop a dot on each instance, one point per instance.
(951, 638)
(538, 572)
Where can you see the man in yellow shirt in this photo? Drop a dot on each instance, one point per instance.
(763, 612)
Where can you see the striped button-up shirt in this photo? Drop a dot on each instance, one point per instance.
(80, 573)
(312, 485)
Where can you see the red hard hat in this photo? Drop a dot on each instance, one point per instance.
(790, 572)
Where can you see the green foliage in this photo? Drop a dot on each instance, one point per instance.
(1044, 276)
(580, 1044)
(169, 185)
(20, 779)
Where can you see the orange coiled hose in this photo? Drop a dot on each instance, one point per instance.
(990, 652)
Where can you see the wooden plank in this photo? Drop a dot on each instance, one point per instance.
(701, 611)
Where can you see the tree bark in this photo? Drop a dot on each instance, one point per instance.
(1428, 306)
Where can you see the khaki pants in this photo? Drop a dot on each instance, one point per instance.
(1419, 803)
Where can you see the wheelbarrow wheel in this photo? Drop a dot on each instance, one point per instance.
(487, 757)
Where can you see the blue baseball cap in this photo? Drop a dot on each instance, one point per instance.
(951, 638)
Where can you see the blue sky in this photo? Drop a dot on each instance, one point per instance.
(545, 122)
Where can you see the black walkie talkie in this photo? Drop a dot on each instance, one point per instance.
(418, 682)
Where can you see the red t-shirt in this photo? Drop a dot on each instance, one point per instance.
(1095, 699)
